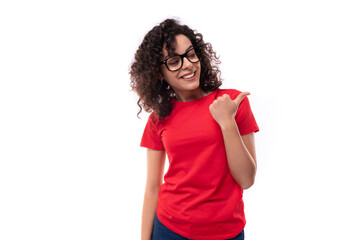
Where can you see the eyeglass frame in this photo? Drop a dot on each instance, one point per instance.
(182, 58)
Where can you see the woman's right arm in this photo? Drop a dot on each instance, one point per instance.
(154, 179)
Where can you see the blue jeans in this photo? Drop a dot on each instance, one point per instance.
(161, 232)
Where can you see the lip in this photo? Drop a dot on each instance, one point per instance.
(188, 79)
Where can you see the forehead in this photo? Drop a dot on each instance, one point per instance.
(180, 45)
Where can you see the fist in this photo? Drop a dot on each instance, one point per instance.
(223, 109)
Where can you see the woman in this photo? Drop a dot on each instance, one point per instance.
(206, 132)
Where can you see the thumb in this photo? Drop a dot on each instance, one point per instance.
(240, 97)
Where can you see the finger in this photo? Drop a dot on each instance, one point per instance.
(240, 97)
(222, 97)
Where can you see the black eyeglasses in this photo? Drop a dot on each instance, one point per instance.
(175, 63)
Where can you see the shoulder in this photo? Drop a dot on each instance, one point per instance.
(153, 118)
(155, 121)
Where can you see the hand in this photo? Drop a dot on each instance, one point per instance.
(223, 109)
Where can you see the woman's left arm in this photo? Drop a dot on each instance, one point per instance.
(240, 150)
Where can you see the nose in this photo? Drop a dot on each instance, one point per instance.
(186, 63)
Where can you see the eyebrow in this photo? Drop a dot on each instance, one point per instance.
(191, 46)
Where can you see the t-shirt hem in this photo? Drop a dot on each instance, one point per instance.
(249, 131)
(152, 147)
(186, 235)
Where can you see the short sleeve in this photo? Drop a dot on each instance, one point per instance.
(152, 137)
(244, 116)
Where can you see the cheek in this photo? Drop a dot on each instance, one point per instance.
(170, 77)
(199, 69)
(198, 66)
(166, 74)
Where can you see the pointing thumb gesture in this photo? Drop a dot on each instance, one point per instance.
(240, 97)
(223, 109)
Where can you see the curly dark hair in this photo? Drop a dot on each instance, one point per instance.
(145, 71)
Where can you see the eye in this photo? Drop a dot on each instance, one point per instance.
(173, 61)
(191, 54)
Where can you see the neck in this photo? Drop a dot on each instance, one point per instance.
(190, 96)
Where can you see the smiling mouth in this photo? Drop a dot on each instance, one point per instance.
(188, 76)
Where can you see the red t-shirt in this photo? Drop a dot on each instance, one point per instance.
(199, 198)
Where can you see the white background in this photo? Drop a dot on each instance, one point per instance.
(71, 166)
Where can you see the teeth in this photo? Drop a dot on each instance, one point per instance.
(189, 76)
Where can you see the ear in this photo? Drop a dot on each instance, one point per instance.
(161, 77)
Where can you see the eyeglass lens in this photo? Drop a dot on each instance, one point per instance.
(174, 63)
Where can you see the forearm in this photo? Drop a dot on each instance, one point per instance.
(241, 164)
(148, 214)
